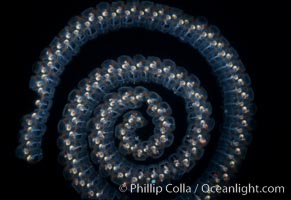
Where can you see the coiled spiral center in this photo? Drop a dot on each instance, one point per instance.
(98, 87)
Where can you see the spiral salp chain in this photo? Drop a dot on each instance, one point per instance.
(90, 119)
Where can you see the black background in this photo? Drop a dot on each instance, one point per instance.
(253, 30)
